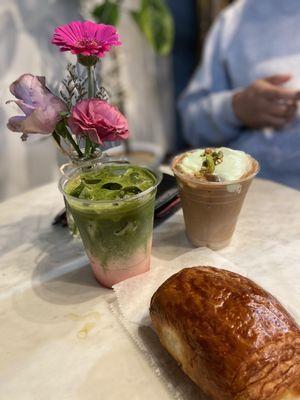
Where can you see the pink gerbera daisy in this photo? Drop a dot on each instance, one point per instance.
(86, 38)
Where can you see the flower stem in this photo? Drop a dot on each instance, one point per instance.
(91, 83)
(56, 138)
(88, 148)
(127, 147)
(73, 143)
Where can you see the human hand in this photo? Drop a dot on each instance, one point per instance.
(265, 103)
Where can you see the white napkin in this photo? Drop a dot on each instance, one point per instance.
(134, 294)
(276, 268)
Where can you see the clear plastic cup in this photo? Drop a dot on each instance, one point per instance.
(211, 209)
(117, 234)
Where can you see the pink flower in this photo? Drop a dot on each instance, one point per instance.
(41, 108)
(86, 38)
(98, 120)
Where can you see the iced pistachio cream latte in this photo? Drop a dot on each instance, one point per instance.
(113, 206)
(215, 165)
(213, 184)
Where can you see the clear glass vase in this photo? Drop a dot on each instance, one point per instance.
(65, 171)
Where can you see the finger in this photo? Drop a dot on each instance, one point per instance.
(280, 94)
(275, 122)
(292, 110)
(282, 110)
(291, 114)
(278, 79)
(288, 103)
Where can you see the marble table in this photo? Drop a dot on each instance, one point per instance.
(58, 337)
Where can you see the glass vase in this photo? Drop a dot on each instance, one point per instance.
(65, 170)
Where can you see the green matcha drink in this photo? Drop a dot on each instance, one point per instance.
(113, 205)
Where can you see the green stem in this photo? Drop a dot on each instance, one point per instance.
(127, 147)
(73, 143)
(56, 138)
(91, 83)
(88, 148)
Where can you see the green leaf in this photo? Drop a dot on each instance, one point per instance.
(136, 17)
(156, 22)
(107, 13)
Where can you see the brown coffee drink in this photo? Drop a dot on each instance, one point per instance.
(211, 199)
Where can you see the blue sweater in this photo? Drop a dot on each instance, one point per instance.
(251, 39)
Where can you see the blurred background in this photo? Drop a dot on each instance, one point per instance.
(145, 76)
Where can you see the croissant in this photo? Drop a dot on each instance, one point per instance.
(230, 336)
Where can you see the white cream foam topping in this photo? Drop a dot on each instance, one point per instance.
(235, 163)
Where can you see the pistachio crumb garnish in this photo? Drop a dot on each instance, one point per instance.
(211, 159)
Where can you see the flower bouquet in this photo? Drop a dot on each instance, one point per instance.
(81, 120)
(112, 203)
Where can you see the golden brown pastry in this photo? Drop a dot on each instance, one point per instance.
(231, 337)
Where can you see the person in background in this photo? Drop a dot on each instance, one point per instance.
(245, 93)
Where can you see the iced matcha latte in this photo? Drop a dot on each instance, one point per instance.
(113, 205)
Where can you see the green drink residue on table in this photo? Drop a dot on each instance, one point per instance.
(115, 223)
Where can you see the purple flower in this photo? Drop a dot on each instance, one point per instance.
(98, 120)
(86, 38)
(41, 108)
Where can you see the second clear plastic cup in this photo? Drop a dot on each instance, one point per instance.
(211, 209)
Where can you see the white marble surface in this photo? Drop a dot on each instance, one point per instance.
(58, 337)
